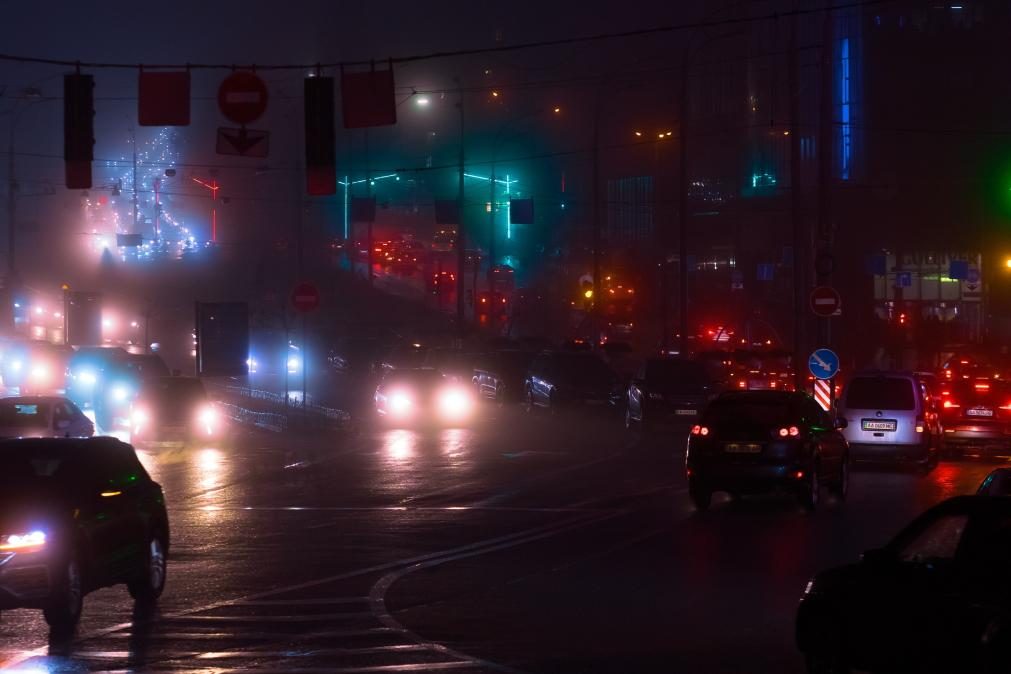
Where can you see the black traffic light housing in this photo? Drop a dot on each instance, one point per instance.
(320, 136)
(78, 129)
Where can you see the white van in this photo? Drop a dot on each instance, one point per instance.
(886, 418)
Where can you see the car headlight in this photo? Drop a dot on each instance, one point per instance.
(454, 402)
(16, 365)
(293, 364)
(399, 403)
(120, 393)
(87, 377)
(207, 415)
(40, 372)
(26, 542)
(140, 417)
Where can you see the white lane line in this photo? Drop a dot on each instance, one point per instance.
(382, 586)
(296, 652)
(319, 601)
(305, 618)
(260, 636)
(367, 669)
(377, 568)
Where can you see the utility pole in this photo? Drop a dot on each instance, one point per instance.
(596, 238)
(12, 207)
(368, 193)
(136, 205)
(796, 215)
(825, 260)
(493, 312)
(683, 207)
(461, 253)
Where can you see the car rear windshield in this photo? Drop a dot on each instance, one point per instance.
(677, 376)
(23, 415)
(880, 393)
(753, 412)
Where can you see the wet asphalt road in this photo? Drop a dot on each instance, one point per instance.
(544, 544)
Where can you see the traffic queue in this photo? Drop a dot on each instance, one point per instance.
(63, 489)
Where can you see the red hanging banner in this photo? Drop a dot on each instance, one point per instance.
(163, 98)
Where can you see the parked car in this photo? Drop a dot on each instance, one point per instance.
(567, 379)
(758, 441)
(76, 516)
(42, 417)
(886, 414)
(499, 376)
(668, 392)
(937, 598)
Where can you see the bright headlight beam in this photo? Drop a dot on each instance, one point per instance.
(22, 542)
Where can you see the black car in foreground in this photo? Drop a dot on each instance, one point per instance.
(937, 598)
(756, 441)
(76, 516)
(997, 483)
(668, 392)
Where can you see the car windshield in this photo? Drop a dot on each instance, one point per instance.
(148, 366)
(880, 393)
(677, 376)
(175, 391)
(414, 377)
(17, 414)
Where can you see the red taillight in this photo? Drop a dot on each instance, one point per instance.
(792, 432)
(1006, 408)
(700, 430)
(783, 432)
(981, 386)
(950, 404)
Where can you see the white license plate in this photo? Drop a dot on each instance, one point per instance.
(686, 413)
(878, 425)
(742, 448)
(979, 412)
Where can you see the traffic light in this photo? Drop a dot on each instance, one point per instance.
(320, 137)
(78, 129)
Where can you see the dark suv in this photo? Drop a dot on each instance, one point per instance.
(76, 516)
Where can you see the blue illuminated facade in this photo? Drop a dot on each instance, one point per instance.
(848, 96)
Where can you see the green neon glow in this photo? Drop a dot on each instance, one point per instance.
(509, 219)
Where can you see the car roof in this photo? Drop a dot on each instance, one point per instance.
(23, 400)
(762, 396)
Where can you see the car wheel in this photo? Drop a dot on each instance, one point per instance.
(810, 495)
(64, 609)
(149, 581)
(842, 486)
(701, 495)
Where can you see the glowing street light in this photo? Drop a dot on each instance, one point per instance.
(422, 101)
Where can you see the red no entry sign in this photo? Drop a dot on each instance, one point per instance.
(242, 97)
(825, 301)
(305, 297)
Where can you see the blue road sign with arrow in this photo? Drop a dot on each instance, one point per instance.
(823, 364)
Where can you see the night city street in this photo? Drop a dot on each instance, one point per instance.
(344, 337)
(522, 544)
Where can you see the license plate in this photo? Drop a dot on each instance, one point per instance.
(739, 448)
(878, 424)
(686, 413)
(979, 412)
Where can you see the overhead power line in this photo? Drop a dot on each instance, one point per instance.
(520, 46)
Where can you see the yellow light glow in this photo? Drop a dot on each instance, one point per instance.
(588, 294)
(107, 494)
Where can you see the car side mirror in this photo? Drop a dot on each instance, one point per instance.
(840, 423)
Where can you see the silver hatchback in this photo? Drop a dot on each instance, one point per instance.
(886, 418)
